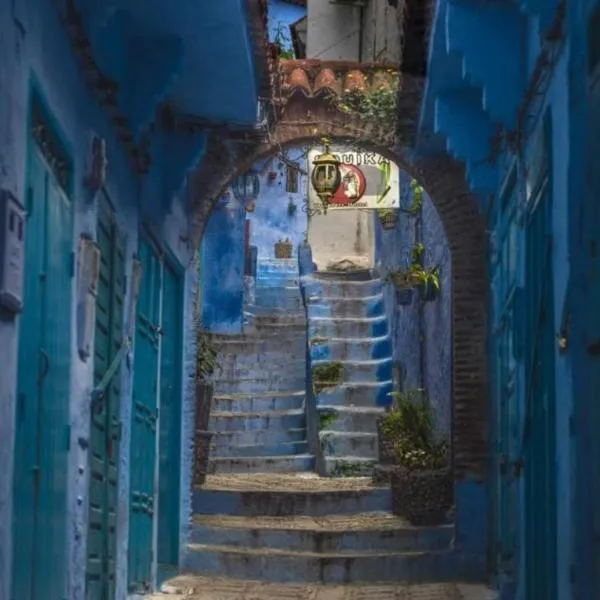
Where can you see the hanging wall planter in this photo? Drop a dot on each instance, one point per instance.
(427, 292)
(388, 218)
(283, 249)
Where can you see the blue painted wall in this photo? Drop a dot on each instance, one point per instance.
(223, 269)
(33, 44)
(575, 115)
(271, 221)
(421, 332)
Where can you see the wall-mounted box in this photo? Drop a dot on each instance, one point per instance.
(12, 251)
(88, 273)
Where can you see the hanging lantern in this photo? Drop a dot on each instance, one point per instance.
(326, 176)
(246, 187)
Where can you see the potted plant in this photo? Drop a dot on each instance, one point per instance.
(388, 217)
(421, 479)
(206, 365)
(292, 208)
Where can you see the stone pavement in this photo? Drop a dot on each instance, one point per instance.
(200, 588)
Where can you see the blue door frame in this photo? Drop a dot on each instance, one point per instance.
(43, 387)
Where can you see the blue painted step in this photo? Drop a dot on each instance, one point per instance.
(368, 306)
(274, 502)
(289, 565)
(337, 288)
(368, 395)
(255, 450)
(237, 421)
(262, 464)
(352, 349)
(363, 371)
(252, 403)
(349, 443)
(271, 382)
(335, 533)
(351, 418)
(255, 437)
(349, 327)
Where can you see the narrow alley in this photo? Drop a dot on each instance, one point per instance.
(298, 299)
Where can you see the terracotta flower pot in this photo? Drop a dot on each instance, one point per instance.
(422, 497)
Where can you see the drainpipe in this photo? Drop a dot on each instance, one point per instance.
(421, 320)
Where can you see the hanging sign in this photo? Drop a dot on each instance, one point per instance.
(367, 181)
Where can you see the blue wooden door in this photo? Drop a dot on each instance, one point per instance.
(105, 418)
(170, 425)
(507, 413)
(144, 419)
(42, 420)
(539, 436)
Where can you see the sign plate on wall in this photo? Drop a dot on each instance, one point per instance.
(368, 180)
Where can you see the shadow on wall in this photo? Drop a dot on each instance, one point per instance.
(280, 209)
(421, 331)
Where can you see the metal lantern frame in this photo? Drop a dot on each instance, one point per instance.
(326, 175)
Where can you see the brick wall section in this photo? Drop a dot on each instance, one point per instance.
(305, 116)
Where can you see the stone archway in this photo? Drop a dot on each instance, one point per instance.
(305, 114)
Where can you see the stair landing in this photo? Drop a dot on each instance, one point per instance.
(202, 588)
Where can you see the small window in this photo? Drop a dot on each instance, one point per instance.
(292, 179)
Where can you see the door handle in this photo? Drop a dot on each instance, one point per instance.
(45, 366)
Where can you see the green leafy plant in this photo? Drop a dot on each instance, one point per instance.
(327, 418)
(410, 424)
(416, 275)
(417, 197)
(326, 376)
(206, 357)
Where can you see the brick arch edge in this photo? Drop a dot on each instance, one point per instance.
(443, 178)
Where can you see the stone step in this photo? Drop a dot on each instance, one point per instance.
(333, 533)
(269, 311)
(273, 358)
(288, 565)
(256, 403)
(263, 345)
(349, 443)
(253, 450)
(368, 306)
(357, 394)
(243, 368)
(193, 587)
(284, 321)
(350, 418)
(257, 437)
(323, 327)
(363, 371)
(294, 463)
(354, 274)
(270, 382)
(275, 419)
(340, 288)
(274, 495)
(348, 466)
(334, 349)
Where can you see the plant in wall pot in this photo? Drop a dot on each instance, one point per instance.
(206, 365)
(292, 208)
(421, 479)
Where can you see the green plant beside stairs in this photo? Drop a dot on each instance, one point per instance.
(422, 478)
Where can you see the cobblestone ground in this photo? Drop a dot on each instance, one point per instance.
(198, 588)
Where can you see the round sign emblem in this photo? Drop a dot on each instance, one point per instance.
(352, 186)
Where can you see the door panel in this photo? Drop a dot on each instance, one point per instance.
(144, 418)
(170, 426)
(42, 434)
(105, 424)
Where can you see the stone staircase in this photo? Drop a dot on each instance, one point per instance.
(348, 326)
(304, 528)
(258, 418)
